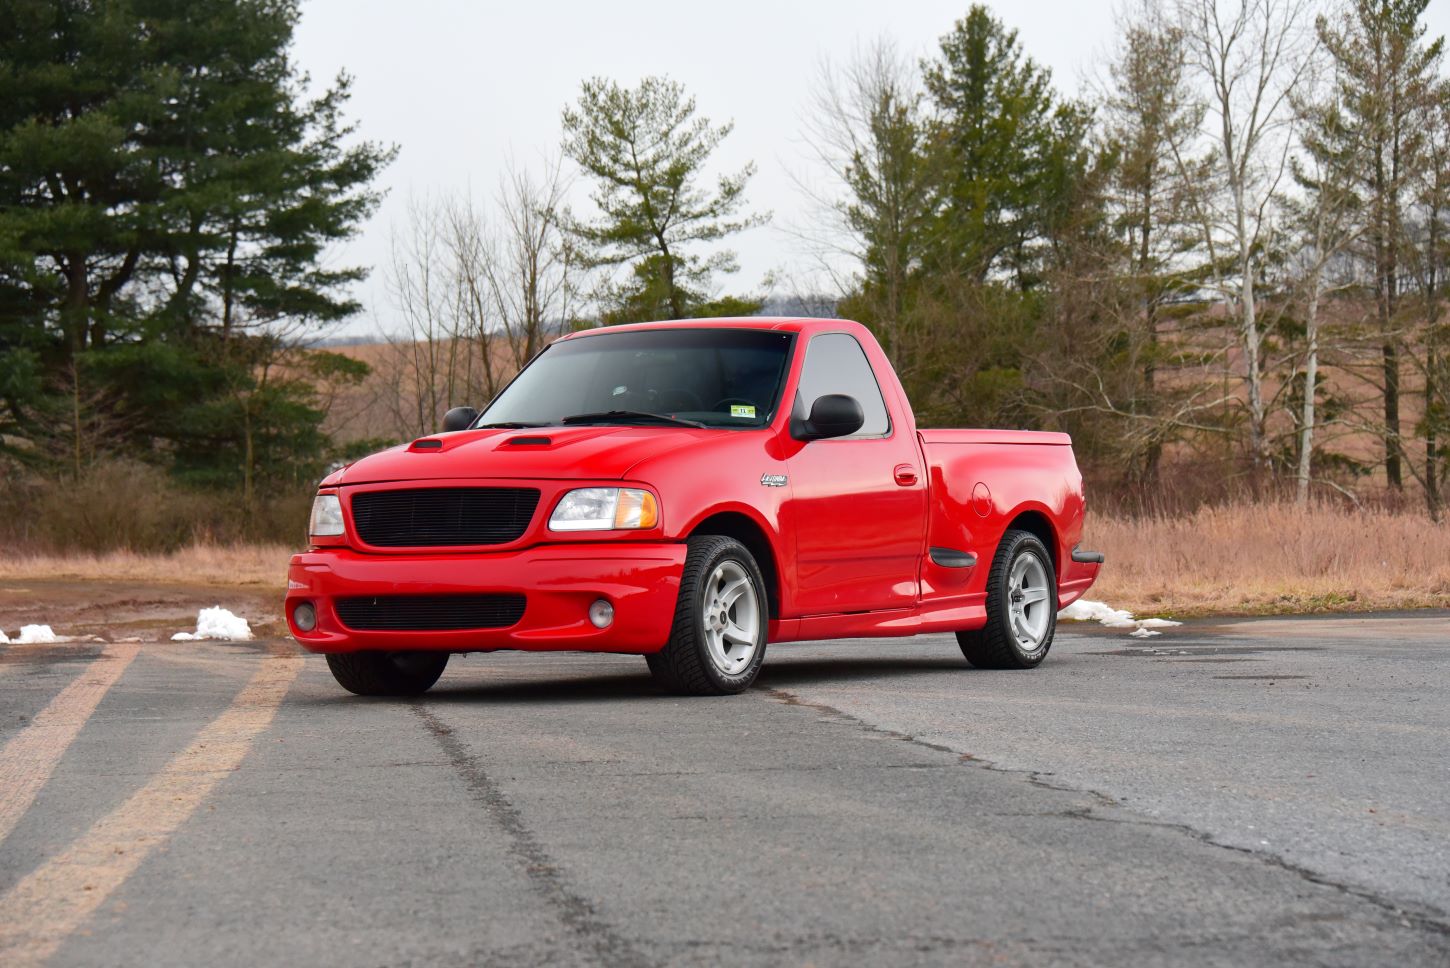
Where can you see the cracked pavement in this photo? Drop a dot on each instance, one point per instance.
(1255, 792)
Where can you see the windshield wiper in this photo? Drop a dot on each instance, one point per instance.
(508, 425)
(606, 416)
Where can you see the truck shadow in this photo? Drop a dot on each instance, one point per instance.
(784, 672)
(475, 686)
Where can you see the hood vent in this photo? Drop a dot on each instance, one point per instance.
(530, 441)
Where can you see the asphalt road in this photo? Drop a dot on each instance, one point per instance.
(1268, 792)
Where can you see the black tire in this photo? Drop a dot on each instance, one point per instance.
(996, 645)
(685, 664)
(387, 673)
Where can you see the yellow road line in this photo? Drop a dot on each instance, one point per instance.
(29, 759)
(41, 911)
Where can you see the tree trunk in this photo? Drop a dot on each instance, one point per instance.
(249, 456)
(1432, 446)
(1154, 452)
(1250, 327)
(77, 303)
(75, 401)
(228, 290)
(1311, 377)
(1390, 356)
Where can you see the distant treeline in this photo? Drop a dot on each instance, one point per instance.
(1221, 268)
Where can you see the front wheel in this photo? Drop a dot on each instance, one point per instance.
(387, 673)
(1021, 607)
(717, 643)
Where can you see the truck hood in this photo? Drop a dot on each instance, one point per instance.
(559, 453)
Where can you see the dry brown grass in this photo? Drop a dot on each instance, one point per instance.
(1255, 559)
(203, 564)
(1271, 559)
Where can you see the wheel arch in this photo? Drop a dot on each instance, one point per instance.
(749, 532)
(1038, 521)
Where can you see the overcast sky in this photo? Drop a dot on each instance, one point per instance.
(462, 86)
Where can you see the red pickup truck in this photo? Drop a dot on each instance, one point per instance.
(689, 491)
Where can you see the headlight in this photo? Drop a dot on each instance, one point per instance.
(326, 516)
(605, 509)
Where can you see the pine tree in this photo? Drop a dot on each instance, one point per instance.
(1152, 118)
(167, 192)
(1387, 75)
(1012, 153)
(646, 151)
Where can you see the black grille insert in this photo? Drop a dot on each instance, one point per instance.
(442, 516)
(430, 613)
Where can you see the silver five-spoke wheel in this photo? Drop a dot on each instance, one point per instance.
(717, 642)
(732, 617)
(1029, 601)
(1021, 606)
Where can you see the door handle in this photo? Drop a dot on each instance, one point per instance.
(905, 475)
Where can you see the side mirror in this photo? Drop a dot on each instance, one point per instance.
(832, 415)
(459, 418)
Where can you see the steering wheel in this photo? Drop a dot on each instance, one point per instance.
(676, 398)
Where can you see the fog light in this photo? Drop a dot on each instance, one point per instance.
(601, 613)
(304, 616)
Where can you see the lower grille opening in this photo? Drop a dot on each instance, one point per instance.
(430, 613)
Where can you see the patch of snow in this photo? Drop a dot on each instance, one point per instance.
(216, 623)
(4, 639)
(36, 635)
(1083, 610)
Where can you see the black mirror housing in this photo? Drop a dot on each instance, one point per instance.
(832, 415)
(459, 418)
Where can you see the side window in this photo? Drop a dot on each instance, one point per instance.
(835, 363)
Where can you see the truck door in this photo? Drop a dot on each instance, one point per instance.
(858, 504)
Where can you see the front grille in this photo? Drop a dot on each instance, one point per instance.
(430, 613)
(432, 517)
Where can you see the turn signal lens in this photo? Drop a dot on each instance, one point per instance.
(636, 509)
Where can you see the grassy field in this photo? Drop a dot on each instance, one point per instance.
(1271, 559)
(1247, 559)
(219, 565)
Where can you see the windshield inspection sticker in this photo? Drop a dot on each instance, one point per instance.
(740, 410)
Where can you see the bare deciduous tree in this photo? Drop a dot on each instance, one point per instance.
(532, 273)
(434, 356)
(1328, 223)
(477, 299)
(1251, 55)
(1152, 116)
(867, 131)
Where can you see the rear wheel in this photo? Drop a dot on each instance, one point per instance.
(387, 673)
(1021, 607)
(717, 643)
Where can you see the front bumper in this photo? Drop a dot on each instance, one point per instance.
(560, 582)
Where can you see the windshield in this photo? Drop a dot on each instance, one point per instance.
(715, 377)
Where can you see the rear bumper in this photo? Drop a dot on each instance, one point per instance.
(560, 582)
